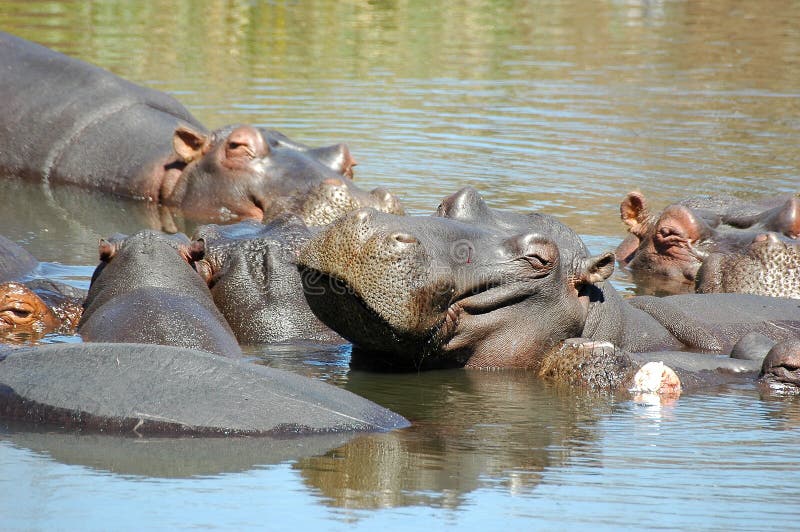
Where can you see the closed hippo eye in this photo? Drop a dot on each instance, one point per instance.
(538, 262)
(239, 149)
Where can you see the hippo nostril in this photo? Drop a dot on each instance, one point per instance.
(405, 238)
(362, 215)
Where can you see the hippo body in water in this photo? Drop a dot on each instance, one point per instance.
(66, 121)
(477, 287)
(144, 291)
(139, 389)
(251, 270)
(665, 250)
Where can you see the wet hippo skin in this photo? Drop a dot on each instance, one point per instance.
(155, 389)
(66, 121)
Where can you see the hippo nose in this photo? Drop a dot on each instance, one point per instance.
(404, 238)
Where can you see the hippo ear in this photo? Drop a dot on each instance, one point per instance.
(106, 250)
(596, 269)
(787, 219)
(633, 211)
(189, 144)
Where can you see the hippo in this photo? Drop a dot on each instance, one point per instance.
(477, 287)
(66, 121)
(141, 389)
(251, 270)
(32, 309)
(145, 291)
(673, 244)
(768, 267)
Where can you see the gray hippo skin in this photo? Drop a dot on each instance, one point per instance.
(65, 121)
(768, 267)
(144, 291)
(476, 287)
(15, 261)
(672, 245)
(251, 270)
(154, 389)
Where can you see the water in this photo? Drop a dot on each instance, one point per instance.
(561, 107)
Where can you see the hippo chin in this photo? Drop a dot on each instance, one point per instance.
(477, 287)
(673, 244)
(86, 127)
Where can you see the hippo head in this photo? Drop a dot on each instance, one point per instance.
(22, 311)
(780, 372)
(469, 286)
(674, 244)
(241, 172)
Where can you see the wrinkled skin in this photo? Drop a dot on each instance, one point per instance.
(31, 310)
(768, 267)
(672, 245)
(86, 127)
(144, 291)
(476, 287)
(251, 270)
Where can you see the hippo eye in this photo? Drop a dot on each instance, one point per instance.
(20, 313)
(537, 261)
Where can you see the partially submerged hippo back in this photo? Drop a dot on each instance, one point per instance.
(768, 267)
(251, 270)
(144, 291)
(15, 261)
(467, 287)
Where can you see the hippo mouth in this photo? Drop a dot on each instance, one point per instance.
(377, 343)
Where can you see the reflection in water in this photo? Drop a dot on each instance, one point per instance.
(471, 429)
(558, 106)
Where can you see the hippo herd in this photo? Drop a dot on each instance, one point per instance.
(294, 250)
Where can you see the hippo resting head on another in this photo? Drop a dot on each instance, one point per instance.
(674, 243)
(444, 291)
(769, 267)
(477, 287)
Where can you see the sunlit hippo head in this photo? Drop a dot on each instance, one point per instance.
(23, 311)
(242, 172)
(470, 286)
(674, 243)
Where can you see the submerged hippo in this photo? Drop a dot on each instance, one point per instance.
(32, 309)
(768, 267)
(251, 270)
(144, 291)
(65, 121)
(673, 244)
(478, 287)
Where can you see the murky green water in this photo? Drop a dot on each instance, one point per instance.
(561, 107)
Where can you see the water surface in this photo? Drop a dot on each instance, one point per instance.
(561, 107)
